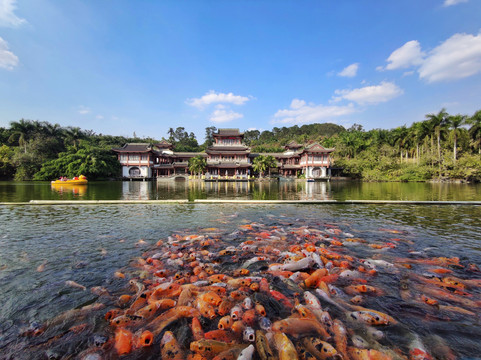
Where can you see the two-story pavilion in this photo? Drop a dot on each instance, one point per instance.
(228, 156)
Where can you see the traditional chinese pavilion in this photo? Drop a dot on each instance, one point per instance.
(228, 158)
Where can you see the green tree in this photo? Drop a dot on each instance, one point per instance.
(7, 169)
(197, 164)
(73, 136)
(475, 130)
(262, 163)
(21, 132)
(95, 163)
(439, 123)
(455, 122)
(209, 136)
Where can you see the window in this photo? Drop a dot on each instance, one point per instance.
(134, 157)
(145, 157)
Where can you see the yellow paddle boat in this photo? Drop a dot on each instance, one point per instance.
(81, 180)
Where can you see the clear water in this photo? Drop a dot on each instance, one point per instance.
(268, 190)
(42, 247)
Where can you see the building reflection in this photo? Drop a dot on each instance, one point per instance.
(243, 190)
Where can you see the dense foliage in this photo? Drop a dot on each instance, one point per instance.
(442, 146)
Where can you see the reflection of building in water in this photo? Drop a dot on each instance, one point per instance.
(228, 158)
(227, 189)
(316, 191)
(135, 190)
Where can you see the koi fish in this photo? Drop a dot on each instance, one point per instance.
(170, 348)
(247, 353)
(285, 347)
(367, 354)
(417, 350)
(123, 341)
(162, 321)
(211, 348)
(150, 310)
(340, 338)
(300, 326)
(220, 335)
(369, 317)
(196, 328)
(262, 346)
(320, 349)
(145, 339)
(75, 285)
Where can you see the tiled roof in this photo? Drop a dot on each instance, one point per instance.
(188, 154)
(293, 145)
(228, 132)
(163, 144)
(318, 148)
(134, 147)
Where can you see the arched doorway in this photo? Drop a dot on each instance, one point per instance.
(134, 171)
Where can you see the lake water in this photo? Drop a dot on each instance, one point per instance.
(268, 190)
(44, 247)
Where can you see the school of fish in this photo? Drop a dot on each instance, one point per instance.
(279, 291)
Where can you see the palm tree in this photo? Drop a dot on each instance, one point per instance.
(455, 122)
(271, 162)
(475, 129)
(74, 135)
(171, 135)
(439, 122)
(197, 164)
(22, 131)
(399, 138)
(259, 165)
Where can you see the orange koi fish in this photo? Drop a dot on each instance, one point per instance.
(313, 279)
(150, 310)
(300, 326)
(220, 335)
(211, 298)
(145, 339)
(320, 349)
(196, 327)
(369, 317)
(206, 309)
(170, 348)
(126, 320)
(367, 354)
(340, 338)
(225, 323)
(211, 348)
(282, 298)
(285, 347)
(123, 341)
(171, 315)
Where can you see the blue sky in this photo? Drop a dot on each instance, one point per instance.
(119, 67)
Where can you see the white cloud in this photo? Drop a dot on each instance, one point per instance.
(7, 17)
(456, 58)
(83, 110)
(408, 55)
(212, 97)
(453, 2)
(370, 94)
(301, 113)
(221, 116)
(349, 71)
(8, 60)
(99, 117)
